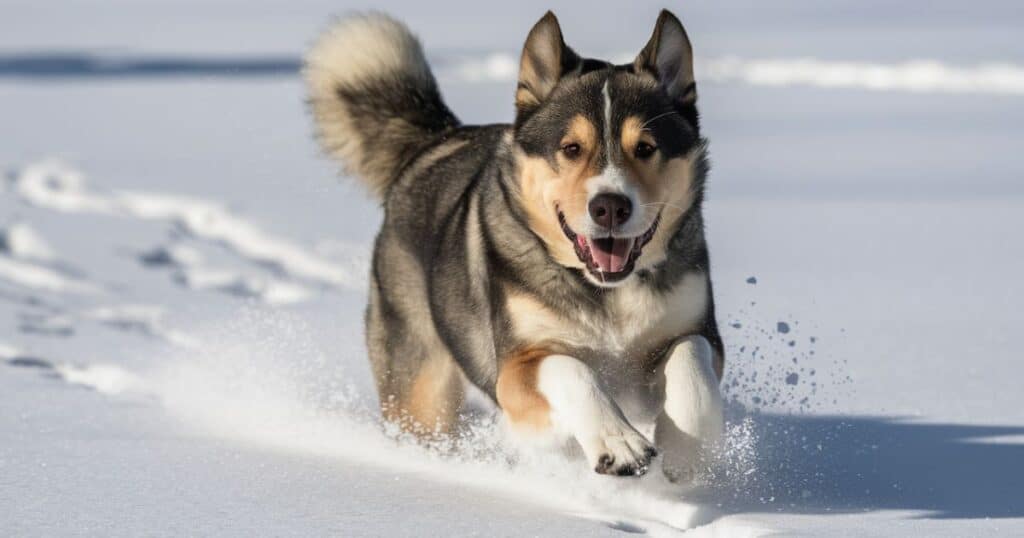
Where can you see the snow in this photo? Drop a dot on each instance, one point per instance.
(919, 76)
(145, 319)
(20, 241)
(29, 275)
(7, 352)
(265, 289)
(182, 281)
(51, 186)
(103, 378)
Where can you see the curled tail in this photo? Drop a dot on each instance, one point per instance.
(373, 98)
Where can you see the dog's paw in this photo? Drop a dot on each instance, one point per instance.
(679, 472)
(683, 455)
(622, 451)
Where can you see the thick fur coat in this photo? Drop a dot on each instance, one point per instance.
(558, 264)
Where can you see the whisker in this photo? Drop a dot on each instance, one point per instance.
(643, 127)
(665, 204)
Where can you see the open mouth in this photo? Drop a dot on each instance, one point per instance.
(609, 259)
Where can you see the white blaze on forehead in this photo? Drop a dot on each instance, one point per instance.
(612, 178)
(607, 119)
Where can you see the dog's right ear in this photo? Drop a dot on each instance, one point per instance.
(546, 58)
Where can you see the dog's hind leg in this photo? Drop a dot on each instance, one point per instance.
(542, 391)
(691, 420)
(430, 404)
(420, 386)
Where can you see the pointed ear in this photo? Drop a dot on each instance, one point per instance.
(668, 56)
(545, 59)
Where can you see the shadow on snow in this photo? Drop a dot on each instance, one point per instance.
(817, 464)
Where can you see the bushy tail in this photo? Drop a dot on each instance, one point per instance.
(373, 97)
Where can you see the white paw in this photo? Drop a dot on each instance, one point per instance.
(619, 450)
(685, 455)
(693, 420)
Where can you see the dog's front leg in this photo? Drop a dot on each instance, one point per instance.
(691, 420)
(561, 393)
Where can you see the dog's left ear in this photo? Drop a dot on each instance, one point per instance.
(668, 56)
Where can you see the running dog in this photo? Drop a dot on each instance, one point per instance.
(558, 263)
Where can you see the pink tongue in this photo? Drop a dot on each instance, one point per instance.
(610, 255)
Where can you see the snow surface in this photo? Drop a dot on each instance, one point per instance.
(182, 279)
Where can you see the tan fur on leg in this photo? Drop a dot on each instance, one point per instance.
(431, 405)
(523, 404)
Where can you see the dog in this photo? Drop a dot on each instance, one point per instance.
(558, 264)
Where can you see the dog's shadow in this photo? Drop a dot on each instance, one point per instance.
(819, 464)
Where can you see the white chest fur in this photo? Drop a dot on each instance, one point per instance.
(635, 320)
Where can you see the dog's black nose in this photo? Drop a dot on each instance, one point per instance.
(610, 210)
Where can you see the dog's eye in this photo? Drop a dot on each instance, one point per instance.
(571, 151)
(644, 150)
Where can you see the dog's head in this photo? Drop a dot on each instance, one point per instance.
(608, 156)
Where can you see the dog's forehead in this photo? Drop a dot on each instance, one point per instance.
(629, 90)
(606, 98)
(609, 96)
